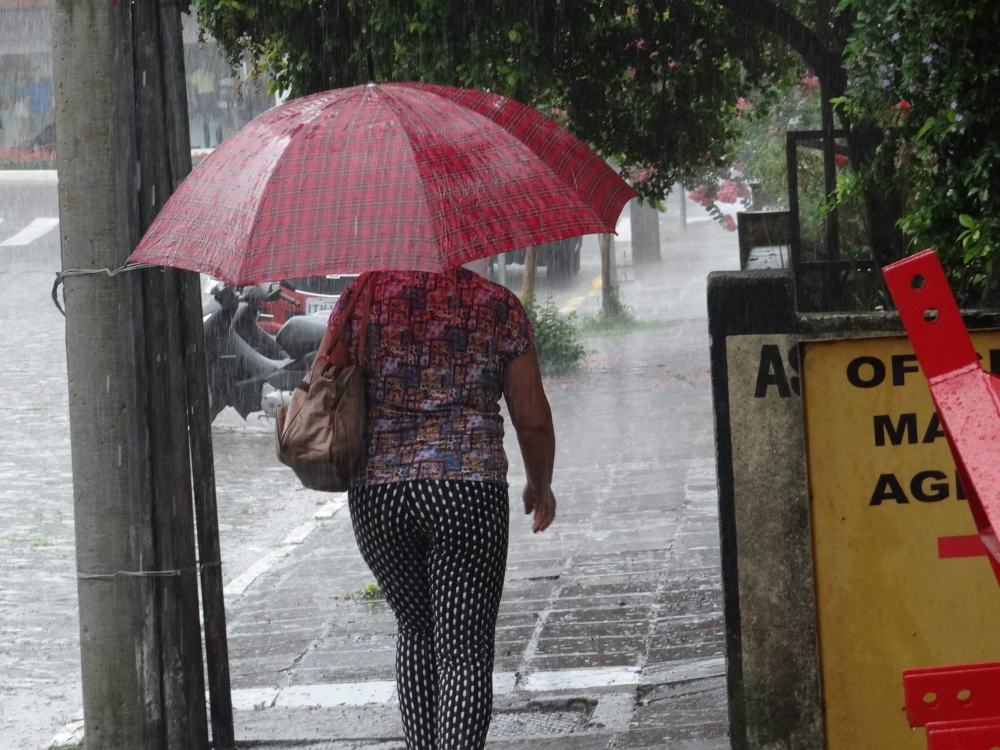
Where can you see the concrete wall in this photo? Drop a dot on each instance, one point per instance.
(781, 680)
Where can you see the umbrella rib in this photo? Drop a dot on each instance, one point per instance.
(387, 98)
(316, 122)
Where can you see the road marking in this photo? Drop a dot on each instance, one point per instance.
(382, 692)
(571, 305)
(336, 694)
(578, 679)
(37, 228)
(236, 587)
(44, 176)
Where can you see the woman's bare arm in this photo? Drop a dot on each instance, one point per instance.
(532, 418)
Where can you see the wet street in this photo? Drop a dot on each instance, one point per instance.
(610, 631)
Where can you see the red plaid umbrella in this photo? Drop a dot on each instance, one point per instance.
(396, 176)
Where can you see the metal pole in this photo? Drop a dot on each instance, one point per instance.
(831, 279)
(90, 41)
(794, 236)
(530, 269)
(502, 269)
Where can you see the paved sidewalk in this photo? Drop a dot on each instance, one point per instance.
(610, 631)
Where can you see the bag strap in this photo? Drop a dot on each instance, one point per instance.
(363, 292)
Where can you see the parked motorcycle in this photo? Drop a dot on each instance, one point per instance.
(248, 368)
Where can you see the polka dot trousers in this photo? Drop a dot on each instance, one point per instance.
(439, 551)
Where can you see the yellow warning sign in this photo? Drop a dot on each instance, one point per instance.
(901, 580)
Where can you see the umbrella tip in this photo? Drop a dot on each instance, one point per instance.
(372, 84)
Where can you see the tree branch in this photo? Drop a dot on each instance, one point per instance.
(767, 15)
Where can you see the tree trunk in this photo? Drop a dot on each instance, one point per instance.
(645, 222)
(609, 299)
(530, 268)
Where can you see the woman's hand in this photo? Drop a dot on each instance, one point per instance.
(532, 418)
(543, 503)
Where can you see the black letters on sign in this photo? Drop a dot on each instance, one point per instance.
(888, 488)
(934, 430)
(907, 425)
(793, 362)
(900, 367)
(938, 491)
(771, 372)
(995, 361)
(862, 378)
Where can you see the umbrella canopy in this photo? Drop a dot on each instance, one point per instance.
(395, 176)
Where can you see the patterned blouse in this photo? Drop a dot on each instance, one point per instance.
(435, 353)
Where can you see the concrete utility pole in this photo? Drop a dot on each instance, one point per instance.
(94, 200)
(135, 357)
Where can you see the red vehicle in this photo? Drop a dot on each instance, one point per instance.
(313, 295)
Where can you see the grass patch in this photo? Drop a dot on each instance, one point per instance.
(557, 338)
(623, 321)
(372, 592)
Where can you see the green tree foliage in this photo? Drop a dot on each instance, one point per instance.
(650, 84)
(926, 73)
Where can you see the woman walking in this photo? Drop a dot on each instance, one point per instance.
(430, 502)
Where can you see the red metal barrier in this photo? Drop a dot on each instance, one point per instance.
(959, 706)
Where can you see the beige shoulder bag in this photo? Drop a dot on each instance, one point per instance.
(321, 433)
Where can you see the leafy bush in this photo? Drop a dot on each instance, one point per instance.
(557, 339)
(924, 73)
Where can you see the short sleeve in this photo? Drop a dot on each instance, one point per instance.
(516, 334)
(337, 314)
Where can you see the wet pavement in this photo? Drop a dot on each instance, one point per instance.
(610, 632)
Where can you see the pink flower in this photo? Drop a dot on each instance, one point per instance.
(653, 55)
(671, 63)
(810, 82)
(729, 223)
(728, 192)
(630, 72)
(700, 196)
(641, 44)
(644, 174)
(633, 11)
(743, 105)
